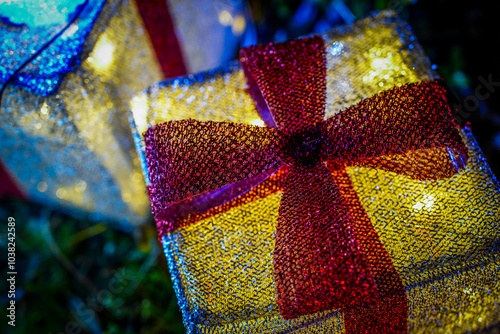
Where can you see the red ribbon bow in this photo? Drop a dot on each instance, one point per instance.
(327, 254)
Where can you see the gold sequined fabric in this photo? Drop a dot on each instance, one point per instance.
(369, 57)
(441, 234)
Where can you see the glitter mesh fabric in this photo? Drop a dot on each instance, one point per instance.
(370, 56)
(186, 158)
(43, 74)
(432, 255)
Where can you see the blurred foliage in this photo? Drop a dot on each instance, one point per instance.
(82, 271)
(69, 268)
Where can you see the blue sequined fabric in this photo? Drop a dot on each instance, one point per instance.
(36, 55)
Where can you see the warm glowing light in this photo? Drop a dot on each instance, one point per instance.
(126, 197)
(73, 193)
(257, 122)
(239, 25)
(386, 67)
(44, 109)
(137, 177)
(426, 203)
(81, 186)
(225, 18)
(381, 64)
(139, 106)
(102, 56)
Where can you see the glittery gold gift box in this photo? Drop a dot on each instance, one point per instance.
(441, 235)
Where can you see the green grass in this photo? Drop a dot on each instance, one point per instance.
(84, 276)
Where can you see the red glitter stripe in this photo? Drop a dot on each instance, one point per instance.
(189, 211)
(388, 314)
(161, 30)
(308, 268)
(9, 188)
(318, 264)
(291, 77)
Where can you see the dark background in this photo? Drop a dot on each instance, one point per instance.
(66, 262)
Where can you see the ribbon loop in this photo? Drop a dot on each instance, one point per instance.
(291, 78)
(394, 122)
(180, 169)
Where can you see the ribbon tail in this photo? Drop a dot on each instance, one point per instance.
(318, 264)
(389, 313)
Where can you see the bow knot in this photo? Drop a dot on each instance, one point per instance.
(302, 148)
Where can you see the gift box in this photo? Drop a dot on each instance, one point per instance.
(68, 71)
(319, 186)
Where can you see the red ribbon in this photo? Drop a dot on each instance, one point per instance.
(9, 188)
(159, 24)
(327, 254)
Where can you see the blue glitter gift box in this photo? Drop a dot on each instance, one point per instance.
(68, 73)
